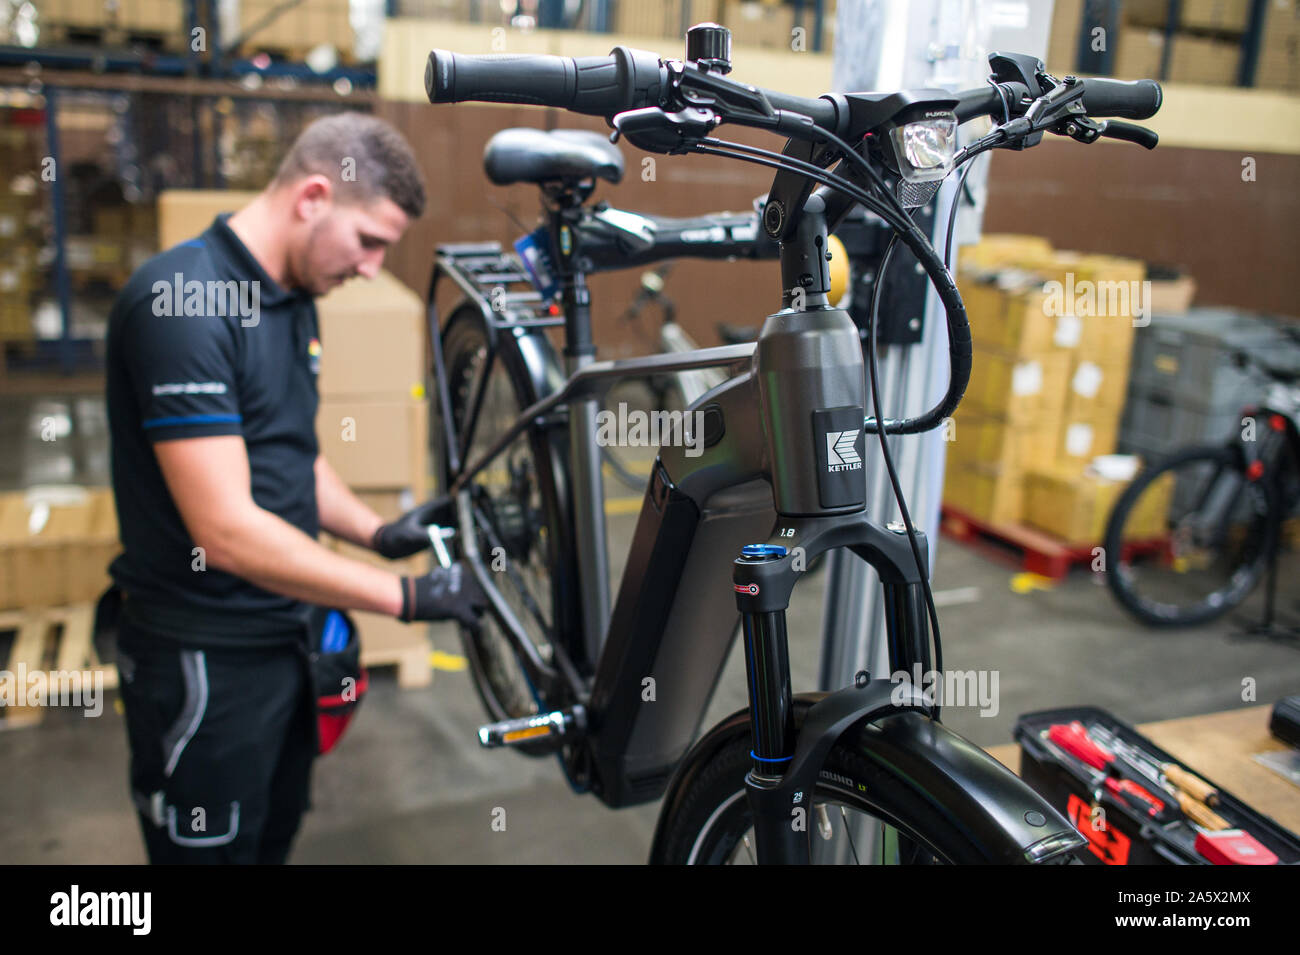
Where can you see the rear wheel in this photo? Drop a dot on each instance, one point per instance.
(518, 510)
(1189, 538)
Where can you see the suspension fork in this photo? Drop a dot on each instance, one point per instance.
(763, 579)
(771, 706)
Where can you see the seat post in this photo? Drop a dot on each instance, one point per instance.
(587, 490)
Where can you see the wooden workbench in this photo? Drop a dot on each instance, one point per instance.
(1219, 747)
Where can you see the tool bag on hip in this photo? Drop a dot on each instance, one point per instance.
(339, 681)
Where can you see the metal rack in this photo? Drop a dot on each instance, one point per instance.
(202, 76)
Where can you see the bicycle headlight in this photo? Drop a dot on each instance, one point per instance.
(924, 149)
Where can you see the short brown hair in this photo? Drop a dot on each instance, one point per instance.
(363, 154)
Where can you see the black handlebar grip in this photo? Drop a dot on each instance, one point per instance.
(597, 85)
(1131, 99)
(1131, 133)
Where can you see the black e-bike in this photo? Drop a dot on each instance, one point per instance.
(769, 475)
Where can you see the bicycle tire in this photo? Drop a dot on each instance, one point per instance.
(496, 672)
(1256, 506)
(707, 824)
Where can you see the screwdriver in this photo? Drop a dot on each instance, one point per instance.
(1188, 782)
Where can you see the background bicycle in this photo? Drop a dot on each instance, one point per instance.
(1192, 536)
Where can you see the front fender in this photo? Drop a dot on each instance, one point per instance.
(935, 775)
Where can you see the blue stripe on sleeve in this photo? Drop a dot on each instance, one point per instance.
(194, 419)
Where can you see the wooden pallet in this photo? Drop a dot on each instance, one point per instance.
(1038, 553)
(58, 640)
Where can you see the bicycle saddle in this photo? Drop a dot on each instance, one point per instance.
(538, 156)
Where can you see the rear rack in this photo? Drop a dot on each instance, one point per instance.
(495, 280)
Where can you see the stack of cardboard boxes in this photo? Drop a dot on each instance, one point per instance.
(296, 29)
(19, 233)
(1207, 46)
(1053, 335)
(55, 546)
(373, 428)
(372, 422)
(1279, 51)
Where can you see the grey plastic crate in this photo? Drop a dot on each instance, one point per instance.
(1157, 422)
(1195, 357)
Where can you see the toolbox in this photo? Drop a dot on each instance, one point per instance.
(1135, 803)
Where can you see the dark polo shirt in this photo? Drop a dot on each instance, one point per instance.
(202, 342)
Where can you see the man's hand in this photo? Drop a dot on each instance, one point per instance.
(442, 593)
(409, 534)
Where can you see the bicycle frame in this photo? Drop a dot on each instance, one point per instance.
(766, 473)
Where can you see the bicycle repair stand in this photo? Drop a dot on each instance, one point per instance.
(899, 44)
(1268, 629)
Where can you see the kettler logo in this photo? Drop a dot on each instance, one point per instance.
(839, 442)
(841, 453)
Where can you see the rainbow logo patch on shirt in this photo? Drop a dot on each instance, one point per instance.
(313, 355)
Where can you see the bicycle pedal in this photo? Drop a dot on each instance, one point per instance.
(527, 729)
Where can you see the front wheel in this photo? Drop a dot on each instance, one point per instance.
(1189, 538)
(853, 818)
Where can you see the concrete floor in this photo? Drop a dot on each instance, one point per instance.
(410, 784)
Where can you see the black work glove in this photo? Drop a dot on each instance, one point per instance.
(443, 593)
(409, 534)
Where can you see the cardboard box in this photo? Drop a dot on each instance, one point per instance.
(1204, 61)
(985, 493)
(662, 18)
(1076, 506)
(185, 213)
(372, 336)
(1172, 296)
(152, 16)
(301, 27)
(1007, 312)
(376, 444)
(1095, 300)
(1019, 389)
(996, 250)
(979, 439)
(1279, 53)
(55, 546)
(757, 24)
(1063, 41)
(1139, 55)
(1213, 16)
(1080, 441)
(1095, 391)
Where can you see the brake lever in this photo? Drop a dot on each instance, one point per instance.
(656, 131)
(1130, 133)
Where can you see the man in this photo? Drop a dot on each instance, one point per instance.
(212, 353)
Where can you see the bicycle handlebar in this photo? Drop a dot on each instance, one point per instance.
(629, 79)
(596, 85)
